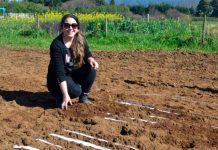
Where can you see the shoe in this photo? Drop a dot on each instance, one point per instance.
(83, 98)
(85, 101)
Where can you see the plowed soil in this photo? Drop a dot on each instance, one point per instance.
(141, 100)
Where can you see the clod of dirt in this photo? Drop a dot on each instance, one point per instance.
(75, 119)
(25, 141)
(189, 145)
(138, 133)
(21, 125)
(139, 146)
(28, 133)
(115, 139)
(72, 119)
(120, 96)
(60, 112)
(7, 120)
(89, 121)
(125, 131)
(153, 136)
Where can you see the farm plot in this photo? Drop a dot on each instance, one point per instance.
(141, 100)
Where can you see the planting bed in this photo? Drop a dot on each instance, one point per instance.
(141, 100)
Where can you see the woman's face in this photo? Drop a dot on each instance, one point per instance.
(70, 27)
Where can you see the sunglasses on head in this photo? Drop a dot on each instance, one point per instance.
(73, 25)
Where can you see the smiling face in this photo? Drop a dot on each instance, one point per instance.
(70, 27)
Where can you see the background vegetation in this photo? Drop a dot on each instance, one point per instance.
(128, 27)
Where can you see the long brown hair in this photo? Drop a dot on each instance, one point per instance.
(77, 49)
(77, 46)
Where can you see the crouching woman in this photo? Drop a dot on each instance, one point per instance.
(72, 68)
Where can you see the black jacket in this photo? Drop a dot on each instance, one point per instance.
(57, 68)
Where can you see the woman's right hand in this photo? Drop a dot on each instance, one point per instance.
(66, 100)
(66, 97)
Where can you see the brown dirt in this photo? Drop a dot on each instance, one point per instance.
(180, 87)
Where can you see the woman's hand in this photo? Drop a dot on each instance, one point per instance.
(66, 100)
(94, 64)
(66, 97)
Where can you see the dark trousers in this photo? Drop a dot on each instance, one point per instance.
(79, 81)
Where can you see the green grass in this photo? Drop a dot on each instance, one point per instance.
(25, 42)
(122, 35)
(139, 41)
(22, 35)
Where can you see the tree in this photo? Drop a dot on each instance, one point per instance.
(24, 7)
(36, 1)
(192, 10)
(78, 5)
(53, 3)
(203, 8)
(214, 5)
(112, 2)
(163, 7)
(138, 9)
(100, 2)
(184, 10)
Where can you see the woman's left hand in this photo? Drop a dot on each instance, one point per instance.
(94, 64)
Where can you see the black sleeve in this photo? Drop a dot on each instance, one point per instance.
(56, 54)
(87, 52)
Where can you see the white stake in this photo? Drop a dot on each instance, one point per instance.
(102, 140)
(88, 144)
(112, 119)
(46, 142)
(24, 147)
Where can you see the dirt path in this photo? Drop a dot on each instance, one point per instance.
(142, 100)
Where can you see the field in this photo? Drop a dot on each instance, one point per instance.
(141, 100)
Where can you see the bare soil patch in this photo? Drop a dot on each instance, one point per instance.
(141, 100)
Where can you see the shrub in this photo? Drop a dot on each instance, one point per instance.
(24, 7)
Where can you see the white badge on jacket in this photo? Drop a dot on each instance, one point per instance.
(67, 58)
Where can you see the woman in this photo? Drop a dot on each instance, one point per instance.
(72, 69)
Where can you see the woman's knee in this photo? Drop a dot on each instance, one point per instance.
(93, 73)
(74, 90)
